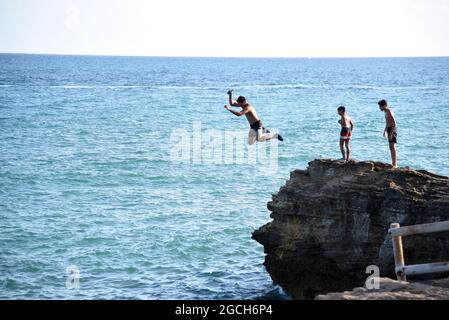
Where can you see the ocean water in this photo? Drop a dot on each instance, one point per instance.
(87, 178)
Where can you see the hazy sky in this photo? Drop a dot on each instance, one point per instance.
(294, 28)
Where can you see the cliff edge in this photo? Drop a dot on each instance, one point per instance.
(331, 221)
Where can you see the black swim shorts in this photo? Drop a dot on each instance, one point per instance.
(257, 125)
(394, 139)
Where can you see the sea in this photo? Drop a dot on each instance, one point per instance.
(97, 203)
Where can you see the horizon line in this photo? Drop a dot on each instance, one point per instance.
(221, 57)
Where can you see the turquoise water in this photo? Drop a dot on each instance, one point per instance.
(86, 176)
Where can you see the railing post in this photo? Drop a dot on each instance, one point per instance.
(398, 255)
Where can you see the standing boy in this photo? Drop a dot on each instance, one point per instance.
(347, 126)
(390, 130)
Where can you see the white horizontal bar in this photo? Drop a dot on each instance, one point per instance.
(424, 268)
(419, 229)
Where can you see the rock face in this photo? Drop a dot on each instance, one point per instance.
(331, 221)
(395, 290)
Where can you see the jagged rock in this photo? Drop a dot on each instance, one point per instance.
(331, 221)
(395, 290)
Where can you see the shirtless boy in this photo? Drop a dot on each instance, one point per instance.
(390, 130)
(347, 126)
(257, 133)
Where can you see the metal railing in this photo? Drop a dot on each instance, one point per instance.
(397, 232)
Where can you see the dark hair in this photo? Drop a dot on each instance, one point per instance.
(241, 99)
(341, 109)
(383, 103)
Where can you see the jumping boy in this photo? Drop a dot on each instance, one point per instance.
(257, 131)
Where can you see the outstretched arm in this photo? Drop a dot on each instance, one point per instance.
(238, 114)
(230, 99)
(231, 102)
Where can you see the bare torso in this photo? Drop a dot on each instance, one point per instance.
(345, 122)
(251, 116)
(389, 118)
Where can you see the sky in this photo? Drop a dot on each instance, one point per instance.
(231, 28)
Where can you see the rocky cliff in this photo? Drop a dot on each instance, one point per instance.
(331, 221)
(395, 290)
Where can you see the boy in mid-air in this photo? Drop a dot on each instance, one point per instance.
(347, 126)
(390, 130)
(257, 133)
